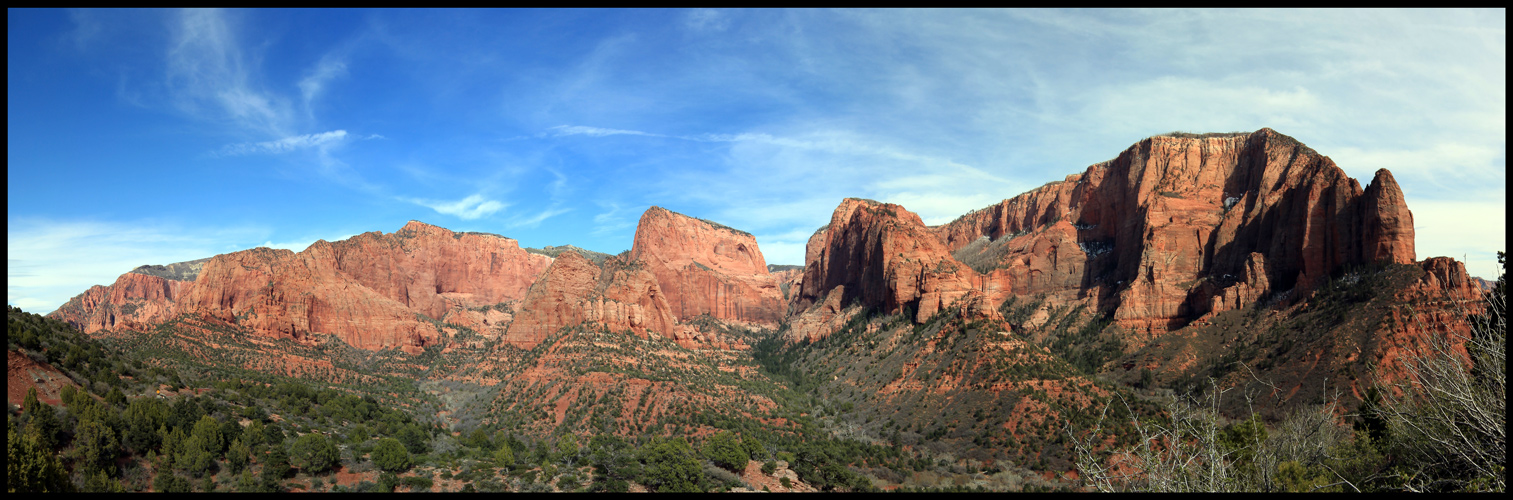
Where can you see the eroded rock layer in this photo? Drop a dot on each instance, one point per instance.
(704, 268)
(134, 301)
(883, 256)
(1177, 227)
(373, 291)
(621, 296)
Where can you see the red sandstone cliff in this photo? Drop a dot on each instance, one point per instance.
(135, 301)
(432, 269)
(883, 256)
(704, 268)
(1176, 227)
(620, 296)
(367, 290)
(1437, 304)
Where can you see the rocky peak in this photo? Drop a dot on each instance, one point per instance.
(880, 255)
(678, 240)
(707, 268)
(1387, 220)
(1180, 224)
(552, 251)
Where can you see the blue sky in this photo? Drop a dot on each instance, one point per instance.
(158, 136)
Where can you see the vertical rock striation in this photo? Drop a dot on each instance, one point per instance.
(881, 256)
(1177, 227)
(373, 291)
(705, 268)
(620, 296)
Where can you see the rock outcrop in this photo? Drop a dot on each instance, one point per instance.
(881, 256)
(373, 291)
(1436, 306)
(1179, 226)
(135, 301)
(706, 268)
(430, 269)
(621, 296)
(1387, 222)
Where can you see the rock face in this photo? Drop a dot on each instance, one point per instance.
(135, 301)
(428, 268)
(621, 296)
(373, 291)
(1434, 306)
(1177, 227)
(1387, 221)
(705, 268)
(882, 256)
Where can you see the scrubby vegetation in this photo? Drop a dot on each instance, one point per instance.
(1442, 429)
(161, 412)
(952, 404)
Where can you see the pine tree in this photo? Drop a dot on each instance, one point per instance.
(31, 402)
(208, 429)
(726, 452)
(671, 467)
(43, 427)
(96, 446)
(238, 455)
(31, 468)
(504, 457)
(275, 468)
(248, 483)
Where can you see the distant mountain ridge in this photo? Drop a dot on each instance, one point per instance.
(178, 271)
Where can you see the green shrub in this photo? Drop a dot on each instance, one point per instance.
(726, 451)
(313, 453)
(391, 456)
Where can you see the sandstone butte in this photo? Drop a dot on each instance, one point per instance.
(706, 268)
(1172, 229)
(373, 290)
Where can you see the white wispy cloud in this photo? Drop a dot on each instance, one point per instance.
(613, 219)
(774, 180)
(1454, 168)
(785, 248)
(1461, 229)
(536, 219)
(790, 253)
(469, 208)
(285, 145)
(328, 69)
(213, 76)
(706, 20)
(567, 130)
(208, 75)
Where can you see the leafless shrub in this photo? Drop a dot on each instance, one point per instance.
(1450, 414)
(1190, 449)
(1181, 453)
